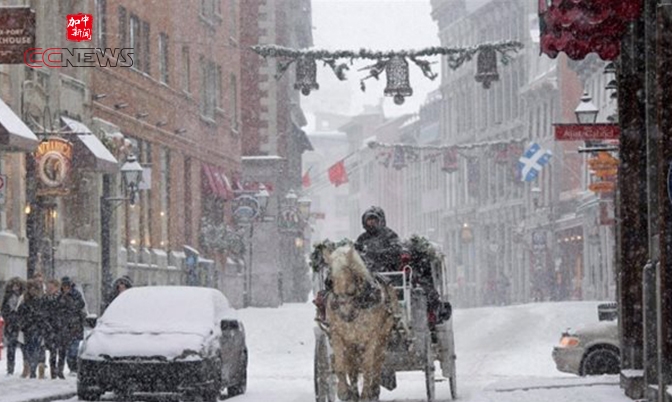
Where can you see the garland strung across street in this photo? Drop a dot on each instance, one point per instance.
(393, 63)
(400, 155)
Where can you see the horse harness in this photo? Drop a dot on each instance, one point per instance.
(364, 300)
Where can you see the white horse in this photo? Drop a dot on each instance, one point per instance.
(360, 312)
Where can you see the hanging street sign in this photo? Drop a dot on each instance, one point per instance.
(17, 33)
(3, 188)
(586, 132)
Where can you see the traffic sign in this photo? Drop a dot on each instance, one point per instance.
(586, 132)
(3, 188)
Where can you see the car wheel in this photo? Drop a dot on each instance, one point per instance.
(601, 360)
(241, 387)
(85, 394)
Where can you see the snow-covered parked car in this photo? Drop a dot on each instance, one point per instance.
(591, 349)
(165, 340)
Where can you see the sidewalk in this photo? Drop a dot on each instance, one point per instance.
(570, 389)
(16, 389)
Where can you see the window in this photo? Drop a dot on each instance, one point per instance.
(139, 42)
(145, 47)
(210, 87)
(101, 23)
(211, 9)
(163, 58)
(233, 23)
(186, 73)
(134, 41)
(218, 97)
(122, 28)
(234, 102)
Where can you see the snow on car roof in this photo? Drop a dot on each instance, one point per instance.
(173, 306)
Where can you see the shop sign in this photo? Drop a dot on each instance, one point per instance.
(53, 161)
(3, 188)
(586, 132)
(17, 33)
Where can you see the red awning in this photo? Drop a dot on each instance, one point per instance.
(579, 27)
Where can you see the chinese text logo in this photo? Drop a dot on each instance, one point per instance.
(79, 27)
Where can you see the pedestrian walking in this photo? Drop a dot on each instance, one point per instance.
(31, 322)
(10, 303)
(39, 279)
(73, 312)
(120, 285)
(53, 334)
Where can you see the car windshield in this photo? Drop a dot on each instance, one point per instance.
(169, 309)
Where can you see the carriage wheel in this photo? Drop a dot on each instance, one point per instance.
(429, 369)
(453, 373)
(325, 385)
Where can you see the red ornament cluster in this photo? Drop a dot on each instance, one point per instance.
(579, 27)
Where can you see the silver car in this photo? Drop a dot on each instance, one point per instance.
(165, 340)
(590, 350)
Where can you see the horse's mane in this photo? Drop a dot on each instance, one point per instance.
(340, 260)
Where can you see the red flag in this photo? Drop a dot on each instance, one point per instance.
(305, 180)
(337, 174)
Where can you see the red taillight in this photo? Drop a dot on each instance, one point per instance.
(431, 317)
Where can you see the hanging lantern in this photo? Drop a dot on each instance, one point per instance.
(450, 164)
(398, 84)
(399, 158)
(486, 67)
(306, 75)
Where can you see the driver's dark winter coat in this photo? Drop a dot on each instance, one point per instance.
(380, 248)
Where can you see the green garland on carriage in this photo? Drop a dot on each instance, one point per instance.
(423, 254)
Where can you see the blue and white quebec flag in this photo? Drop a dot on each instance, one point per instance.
(530, 164)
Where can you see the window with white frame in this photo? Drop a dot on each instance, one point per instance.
(163, 58)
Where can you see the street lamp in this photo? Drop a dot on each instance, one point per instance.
(536, 195)
(131, 174)
(291, 198)
(586, 112)
(262, 197)
(304, 207)
(249, 208)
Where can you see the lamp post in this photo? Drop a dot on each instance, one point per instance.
(131, 173)
(586, 112)
(248, 209)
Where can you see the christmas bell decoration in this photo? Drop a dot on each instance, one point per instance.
(486, 67)
(398, 84)
(306, 75)
(399, 158)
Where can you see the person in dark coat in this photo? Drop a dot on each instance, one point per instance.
(120, 285)
(31, 321)
(379, 245)
(10, 303)
(72, 307)
(53, 333)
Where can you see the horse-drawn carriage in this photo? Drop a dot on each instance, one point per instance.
(421, 331)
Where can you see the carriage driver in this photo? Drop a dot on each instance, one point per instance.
(378, 246)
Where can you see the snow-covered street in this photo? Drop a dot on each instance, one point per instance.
(504, 354)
